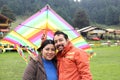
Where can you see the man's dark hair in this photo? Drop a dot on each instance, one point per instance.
(60, 32)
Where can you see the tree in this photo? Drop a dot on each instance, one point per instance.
(112, 16)
(1, 3)
(102, 11)
(8, 12)
(80, 19)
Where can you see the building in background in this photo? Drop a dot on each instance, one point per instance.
(93, 33)
(5, 24)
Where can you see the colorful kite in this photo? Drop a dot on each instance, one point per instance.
(30, 32)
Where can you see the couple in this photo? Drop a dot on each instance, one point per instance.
(72, 63)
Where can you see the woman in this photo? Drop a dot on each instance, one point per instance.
(43, 67)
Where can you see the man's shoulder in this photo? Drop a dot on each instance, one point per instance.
(73, 50)
(76, 49)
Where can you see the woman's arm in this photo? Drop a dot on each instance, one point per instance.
(30, 71)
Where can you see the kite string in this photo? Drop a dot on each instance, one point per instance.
(47, 29)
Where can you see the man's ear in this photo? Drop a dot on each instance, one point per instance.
(67, 40)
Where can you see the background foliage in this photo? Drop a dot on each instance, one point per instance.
(98, 11)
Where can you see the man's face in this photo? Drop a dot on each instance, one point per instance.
(60, 42)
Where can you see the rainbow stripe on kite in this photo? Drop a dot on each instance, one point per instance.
(29, 32)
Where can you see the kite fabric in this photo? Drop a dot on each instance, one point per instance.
(30, 32)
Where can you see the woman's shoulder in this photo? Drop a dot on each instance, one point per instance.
(32, 60)
(38, 59)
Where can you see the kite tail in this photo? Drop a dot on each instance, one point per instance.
(20, 52)
(32, 52)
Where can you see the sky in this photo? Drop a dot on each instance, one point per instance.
(77, 0)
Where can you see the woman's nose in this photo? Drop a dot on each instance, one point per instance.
(50, 51)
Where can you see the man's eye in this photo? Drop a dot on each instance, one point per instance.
(61, 40)
(55, 41)
(47, 49)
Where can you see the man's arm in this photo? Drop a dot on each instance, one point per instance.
(82, 62)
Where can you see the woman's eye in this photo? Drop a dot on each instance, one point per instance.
(53, 49)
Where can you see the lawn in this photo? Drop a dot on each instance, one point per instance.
(104, 66)
(11, 66)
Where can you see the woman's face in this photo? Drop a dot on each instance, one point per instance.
(48, 52)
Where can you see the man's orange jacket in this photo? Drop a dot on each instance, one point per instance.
(73, 64)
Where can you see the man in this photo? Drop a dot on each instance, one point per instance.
(73, 63)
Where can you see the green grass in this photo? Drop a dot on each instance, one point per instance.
(104, 66)
(11, 66)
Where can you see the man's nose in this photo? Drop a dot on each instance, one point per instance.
(58, 43)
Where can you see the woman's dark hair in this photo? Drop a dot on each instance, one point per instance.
(46, 42)
(60, 32)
